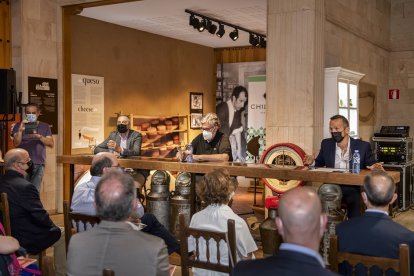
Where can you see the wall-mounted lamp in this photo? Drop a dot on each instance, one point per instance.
(207, 22)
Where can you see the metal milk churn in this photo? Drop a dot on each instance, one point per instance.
(330, 195)
(271, 239)
(180, 202)
(158, 199)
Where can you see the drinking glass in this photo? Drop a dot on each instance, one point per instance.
(92, 145)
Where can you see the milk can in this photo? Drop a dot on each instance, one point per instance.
(158, 199)
(180, 202)
(271, 239)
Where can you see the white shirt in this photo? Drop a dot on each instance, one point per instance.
(342, 160)
(214, 217)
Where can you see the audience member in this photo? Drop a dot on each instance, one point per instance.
(215, 190)
(83, 200)
(115, 243)
(30, 223)
(35, 143)
(375, 233)
(301, 225)
(8, 245)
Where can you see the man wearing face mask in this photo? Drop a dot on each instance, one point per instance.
(337, 151)
(125, 142)
(35, 143)
(211, 145)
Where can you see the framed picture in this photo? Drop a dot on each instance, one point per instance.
(196, 102)
(195, 119)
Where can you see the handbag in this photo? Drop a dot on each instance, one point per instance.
(14, 267)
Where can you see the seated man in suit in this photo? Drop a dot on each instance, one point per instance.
(301, 225)
(116, 243)
(30, 222)
(336, 152)
(375, 233)
(83, 200)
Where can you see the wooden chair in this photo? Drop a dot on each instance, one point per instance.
(47, 266)
(5, 213)
(108, 272)
(211, 238)
(75, 222)
(401, 265)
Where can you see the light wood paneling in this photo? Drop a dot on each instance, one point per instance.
(5, 36)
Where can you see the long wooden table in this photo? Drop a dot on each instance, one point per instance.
(234, 168)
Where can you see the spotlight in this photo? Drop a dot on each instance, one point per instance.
(221, 31)
(253, 39)
(234, 35)
(196, 23)
(202, 25)
(212, 29)
(262, 42)
(191, 21)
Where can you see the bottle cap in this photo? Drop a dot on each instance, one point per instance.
(272, 202)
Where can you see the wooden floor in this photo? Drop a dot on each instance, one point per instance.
(242, 205)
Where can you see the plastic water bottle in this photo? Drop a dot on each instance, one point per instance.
(356, 162)
(189, 152)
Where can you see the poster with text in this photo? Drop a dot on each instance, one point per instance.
(87, 111)
(43, 92)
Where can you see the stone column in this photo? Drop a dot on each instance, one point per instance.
(295, 72)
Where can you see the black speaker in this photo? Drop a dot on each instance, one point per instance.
(405, 187)
(7, 91)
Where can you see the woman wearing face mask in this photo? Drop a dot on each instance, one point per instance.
(211, 144)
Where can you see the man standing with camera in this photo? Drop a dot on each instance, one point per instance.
(33, 136)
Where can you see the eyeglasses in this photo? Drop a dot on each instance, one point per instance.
(122, 123)
(28, 163)
(208, 128)
(27, 112)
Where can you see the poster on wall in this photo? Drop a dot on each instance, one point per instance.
(87, 111)
(233, 98)
(43, 92)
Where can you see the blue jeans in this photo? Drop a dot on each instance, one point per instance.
(36, 175)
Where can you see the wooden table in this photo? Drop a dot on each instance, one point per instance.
(234, 168)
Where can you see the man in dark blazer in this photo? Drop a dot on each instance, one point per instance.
(301, 225)
(336, 152)
(30, 223)
(230, 115)
(375, 233)
(125, 142)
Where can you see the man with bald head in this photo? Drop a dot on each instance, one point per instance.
(301, 224)
(30, 223)
(375, 233)
(124, 142)
(115, 243)
(83, 199)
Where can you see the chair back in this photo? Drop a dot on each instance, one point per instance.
(47, 266)
(5, 214)
(75, 222)
(211, 238)
(108, 272)
(401, 265)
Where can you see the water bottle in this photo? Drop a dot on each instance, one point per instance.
(356, 162)
(189, 152)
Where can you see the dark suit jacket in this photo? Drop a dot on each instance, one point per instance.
(133, 144)
(222, 110)
(285, 262)
(374, 234)
(326, 156)
(30, 223)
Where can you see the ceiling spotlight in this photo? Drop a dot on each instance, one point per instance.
(202, 25)
(253, 39)
(212, 29)
(221, 31)
(262, 42)
(234, 35)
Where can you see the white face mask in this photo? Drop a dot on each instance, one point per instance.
(31, 117)
(207, 135)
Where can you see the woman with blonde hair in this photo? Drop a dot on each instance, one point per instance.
(215, 190)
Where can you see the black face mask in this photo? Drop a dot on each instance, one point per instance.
(122, 128)
(337, 136)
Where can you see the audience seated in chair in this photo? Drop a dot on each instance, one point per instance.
(375, 233)
(301, 225)
(116, 243)
(214, 190)
(30, 222)
(84, 198)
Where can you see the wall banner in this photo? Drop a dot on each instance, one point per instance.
(87, 111)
